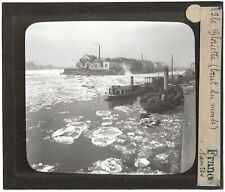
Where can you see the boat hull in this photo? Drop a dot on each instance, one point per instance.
(155, 104)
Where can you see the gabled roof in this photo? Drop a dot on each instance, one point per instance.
(86, 56)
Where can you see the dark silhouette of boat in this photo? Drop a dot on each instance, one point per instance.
(157, 102)
(170, 97)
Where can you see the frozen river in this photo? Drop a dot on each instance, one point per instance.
(71, 128)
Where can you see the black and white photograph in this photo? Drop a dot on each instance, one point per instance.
(110, 97)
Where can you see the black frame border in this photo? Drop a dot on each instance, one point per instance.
(16, 17)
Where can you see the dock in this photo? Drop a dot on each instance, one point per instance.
(188, 131)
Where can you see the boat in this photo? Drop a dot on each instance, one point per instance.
(164, 101)
(160, 101)
(151, 84)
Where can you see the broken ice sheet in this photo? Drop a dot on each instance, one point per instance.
(70, 132)
(162, 158)
(104, 136)
(64, 139)
(107, 166)
(103, 113)
(125, 109)
(112, 117)
(126, 150)
(44, 167)
(48, 89)
(63, 112)
(141, 162)
(106, 123)
(103, 141)
(68, 120)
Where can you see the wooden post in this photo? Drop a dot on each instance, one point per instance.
(132, 81)
(166, 78)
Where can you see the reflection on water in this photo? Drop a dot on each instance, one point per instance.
(122, 101)
(72, 128)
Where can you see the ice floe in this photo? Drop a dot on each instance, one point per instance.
(44, 167)
(63, 112)
(107, 166)
(70, 132)
(126, 150)
(112, 117)
(58, 132)
(125, 109)
(141, 162)
(64, 139)
(106, 123)
(162, 158)
(78, 125)
(103, 113)
(104, 136)
(103, 141)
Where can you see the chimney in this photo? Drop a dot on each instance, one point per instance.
(99, 51)
(132, 81)
(142, 57)
(166, 78)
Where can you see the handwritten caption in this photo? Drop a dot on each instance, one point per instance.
(214, 66)
(210, 93)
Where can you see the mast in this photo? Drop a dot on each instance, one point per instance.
(172, 67)
(99, 51)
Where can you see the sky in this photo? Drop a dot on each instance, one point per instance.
(62, 44)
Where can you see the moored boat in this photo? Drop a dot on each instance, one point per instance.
(150, 84)
(166, 100)
(169, 98)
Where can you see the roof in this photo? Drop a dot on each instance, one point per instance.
(86, 56)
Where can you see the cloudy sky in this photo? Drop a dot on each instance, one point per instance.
(63, 43)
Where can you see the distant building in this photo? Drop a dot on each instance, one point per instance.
(106, 65)
(96, 65)
(87, 58)
(117, 65)
(91, 62)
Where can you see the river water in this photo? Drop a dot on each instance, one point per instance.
(71, 128)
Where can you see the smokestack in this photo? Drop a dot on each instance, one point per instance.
(99, 51)
(142, 57)
(132, 81)
(166, 78)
